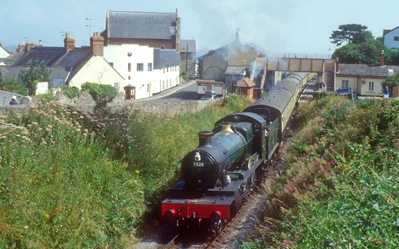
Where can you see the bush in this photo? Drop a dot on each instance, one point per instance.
(47, 97)
(71, 91)
(98, 91)
(11, 85)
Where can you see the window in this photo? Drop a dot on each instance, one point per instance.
(371, 86)
(345, 84)
(148, 87)
(170, 82)
(149, 66)
(116, 85)
(396, 38)
(129, 67)
(167, 68)
(140, 67)
(128, 77)
(163, 84)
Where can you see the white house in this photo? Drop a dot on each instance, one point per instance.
(391, 38)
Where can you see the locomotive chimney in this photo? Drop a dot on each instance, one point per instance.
(205, 138)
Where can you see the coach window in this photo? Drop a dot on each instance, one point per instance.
(371, 86)
(129, 67)
(149, 66)
(396, 38)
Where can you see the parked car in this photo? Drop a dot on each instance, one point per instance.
(209, 95)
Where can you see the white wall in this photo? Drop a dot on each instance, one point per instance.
(97, 70)
(389, 39)
(146, 82)
(3, 53)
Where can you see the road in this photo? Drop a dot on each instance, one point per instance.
(183, 92)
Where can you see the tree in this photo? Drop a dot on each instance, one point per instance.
(351, 33)
(12, 85)
(34, 74)
(367, 52)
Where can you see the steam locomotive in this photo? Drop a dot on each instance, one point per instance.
(222, 171)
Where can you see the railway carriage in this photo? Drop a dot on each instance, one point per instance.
(222, 171)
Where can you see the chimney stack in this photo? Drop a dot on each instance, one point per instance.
(382, 58)
(21, 46)
(1, 45)
(69, 43)
(29, 46)
(97, 44)
(39, 44)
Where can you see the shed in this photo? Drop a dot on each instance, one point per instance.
(246, 87)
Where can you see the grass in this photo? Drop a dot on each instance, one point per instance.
(340, 185)
(76, 179)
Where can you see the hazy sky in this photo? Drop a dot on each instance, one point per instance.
(277, 26)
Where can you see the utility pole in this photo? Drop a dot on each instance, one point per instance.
(186, 59)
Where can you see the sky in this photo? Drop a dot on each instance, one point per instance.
(290, 27)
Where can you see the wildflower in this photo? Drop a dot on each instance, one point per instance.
(137, 171)
(379, 148)
(290, 223)
(26, 227)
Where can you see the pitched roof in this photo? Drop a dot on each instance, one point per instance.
(367, 70)
(188, 45)
(245, 82)
(386, 31)
(142, 25)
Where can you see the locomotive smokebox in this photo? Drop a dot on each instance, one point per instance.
(205, 138)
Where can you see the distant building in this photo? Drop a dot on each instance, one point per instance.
(391, 38)
(144, 48)
(188, 52)
(365, 80)
(70, 65)
(233, 62)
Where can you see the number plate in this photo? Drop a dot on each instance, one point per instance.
(198, 164)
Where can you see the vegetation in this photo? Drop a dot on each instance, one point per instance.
(77, 179)
(394, 79)
(12, 85)
(100, 92)
(47, 97)
(71, 91)
(340, 185)
(36, 73)
(350, 33)
(361, 47)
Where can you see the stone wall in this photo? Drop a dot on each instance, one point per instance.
(86, 102)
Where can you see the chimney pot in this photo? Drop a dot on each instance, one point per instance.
(382, 58)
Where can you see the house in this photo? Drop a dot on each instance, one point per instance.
(70, 65)
(188, 51)
(144, 48)
(391, 38)
(365, 80)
